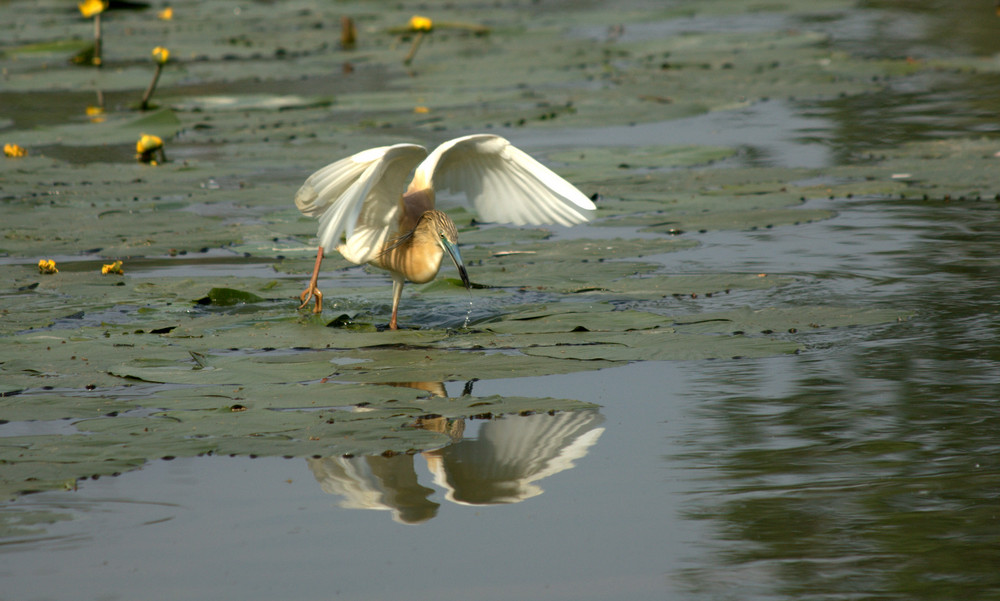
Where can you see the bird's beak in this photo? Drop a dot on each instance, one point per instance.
(457, 258)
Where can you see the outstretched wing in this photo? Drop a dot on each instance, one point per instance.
(503, 183)
(359, 197)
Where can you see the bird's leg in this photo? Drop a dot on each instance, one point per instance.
(312, 291)
(397, 293)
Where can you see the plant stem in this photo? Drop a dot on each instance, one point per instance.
(413, 49)
(144, 105)
(97, 40)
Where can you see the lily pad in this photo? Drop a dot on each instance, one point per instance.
(642, 158)
(785, 319)
(391, 365)
(661, 286)
(226, 297)
(578, 321)
(115, 129)
(660, 345)
(115, 444)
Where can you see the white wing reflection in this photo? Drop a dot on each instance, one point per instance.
(511, 454)
(376, 482)
(503, 464)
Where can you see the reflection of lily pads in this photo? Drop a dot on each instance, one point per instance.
(22, 523)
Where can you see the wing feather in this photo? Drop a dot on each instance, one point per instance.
(503, 183)
(360, 193)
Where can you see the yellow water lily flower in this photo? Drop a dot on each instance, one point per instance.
(89, 8)
(147, 146)
(418, 23)
(421, 110)
(166, 14)
(96, 114)
(148, 143)
(160, 55)
(14, 151)
(114, 268)
(47, 266)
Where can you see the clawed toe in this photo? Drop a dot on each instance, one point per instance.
(310, 293)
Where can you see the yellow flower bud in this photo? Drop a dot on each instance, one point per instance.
(14, 151)
(166, 14)
(47, 266)
(96, 114)
(147, 146)
(89, 8)
(114, 268)
(418, 23)
(148, 143)
(161, 54)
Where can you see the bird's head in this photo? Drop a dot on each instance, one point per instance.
(444, 231)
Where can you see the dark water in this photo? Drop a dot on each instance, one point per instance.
(867, 467)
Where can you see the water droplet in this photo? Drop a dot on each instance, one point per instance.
(468, 314)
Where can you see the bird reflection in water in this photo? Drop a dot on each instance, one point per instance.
(502, 464)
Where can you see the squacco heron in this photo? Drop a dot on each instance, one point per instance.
(365, 198)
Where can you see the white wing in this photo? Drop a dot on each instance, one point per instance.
(503, 183)
(359, 197)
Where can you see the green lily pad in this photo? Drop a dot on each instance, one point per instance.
(227, 297)
(21, 523)
(785, 319)
(660, 286)
(63, 406)
(648, 157)
(391, 365)
(115, 444)
(659, 345)
(115, 129)
(578, 321)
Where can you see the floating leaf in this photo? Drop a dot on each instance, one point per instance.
(227, 297)
(660, 345)
(785, 319)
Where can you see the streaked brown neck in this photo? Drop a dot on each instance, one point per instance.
(414, 204)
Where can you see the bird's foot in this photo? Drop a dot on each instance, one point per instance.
(312, 292)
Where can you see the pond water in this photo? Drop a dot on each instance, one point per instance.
(865, 466)
(868, 464)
